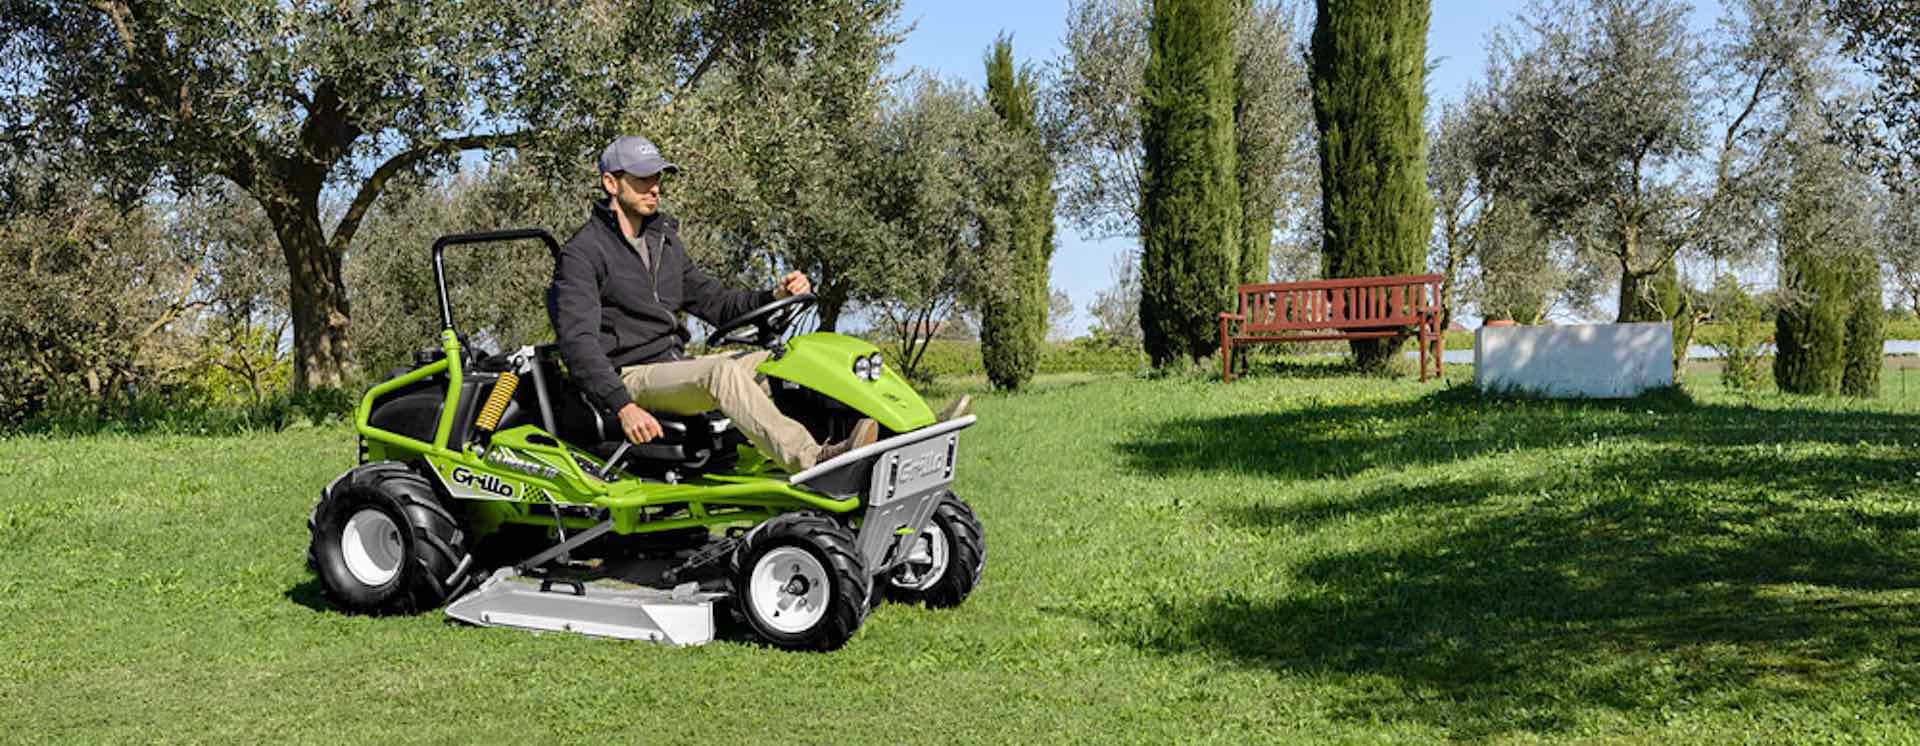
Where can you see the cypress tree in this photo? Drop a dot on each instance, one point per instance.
(1820, 222)
(1368, 70)
(1013, 324)
(1190, 201)
(1810, 330)
(1865, 328)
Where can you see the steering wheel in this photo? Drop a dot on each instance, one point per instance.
(768, 322)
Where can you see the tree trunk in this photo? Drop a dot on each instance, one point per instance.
(1637, 301)
(317, 297)
(831, 299)
(1656, 295)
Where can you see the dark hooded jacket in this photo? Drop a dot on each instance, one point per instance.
(610, 310)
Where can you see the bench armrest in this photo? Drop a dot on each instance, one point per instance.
(1224, 316)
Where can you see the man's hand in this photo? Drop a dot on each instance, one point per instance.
(639, 426)
(794, 283)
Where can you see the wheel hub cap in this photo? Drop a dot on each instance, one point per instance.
(787, 590)
(371, 545)
(926, 563)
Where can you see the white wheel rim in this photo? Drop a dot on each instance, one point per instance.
(926, 563)
(788, 590)
(371, 545)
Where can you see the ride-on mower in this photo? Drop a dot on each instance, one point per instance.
(469, 452)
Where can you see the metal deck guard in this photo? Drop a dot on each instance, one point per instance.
(902, 480)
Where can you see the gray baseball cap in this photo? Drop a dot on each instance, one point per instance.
(635, 155)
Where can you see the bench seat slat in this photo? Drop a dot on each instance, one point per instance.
(1316, 337)
(1346, 324)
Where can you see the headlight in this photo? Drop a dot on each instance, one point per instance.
(874, 375)
(861, 365)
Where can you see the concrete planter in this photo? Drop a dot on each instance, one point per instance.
(1601, 361)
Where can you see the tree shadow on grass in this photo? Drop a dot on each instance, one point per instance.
(1681, 573)
(1340, 439)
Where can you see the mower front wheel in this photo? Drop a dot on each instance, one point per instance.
(383, 544)
(946, 561)
(799, 582)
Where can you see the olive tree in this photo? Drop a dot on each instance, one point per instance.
(938, 173)
(313, 110)
(1635, 138)
(1884, 37)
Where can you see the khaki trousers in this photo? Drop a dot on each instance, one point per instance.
(725, 382)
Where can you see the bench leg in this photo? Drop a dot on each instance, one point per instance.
(1423, 353)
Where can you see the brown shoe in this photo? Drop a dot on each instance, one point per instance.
(957, 408)
(865, 432)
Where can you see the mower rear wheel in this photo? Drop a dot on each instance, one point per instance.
(799, 582)
(382, 543)
(946, 561)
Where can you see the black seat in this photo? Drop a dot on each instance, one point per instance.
(688, 444)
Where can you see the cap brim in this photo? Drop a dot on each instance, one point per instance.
(648, 166)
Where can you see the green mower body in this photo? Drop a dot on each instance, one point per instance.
(524, 474)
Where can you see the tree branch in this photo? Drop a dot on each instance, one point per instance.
(370, 189)
(706, 63)
(117, 13)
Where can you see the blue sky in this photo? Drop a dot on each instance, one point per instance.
(949, 38)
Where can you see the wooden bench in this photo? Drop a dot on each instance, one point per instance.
(1356, 308)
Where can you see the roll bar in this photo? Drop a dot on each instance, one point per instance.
(440, 272)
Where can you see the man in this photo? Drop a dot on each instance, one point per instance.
(616, 287)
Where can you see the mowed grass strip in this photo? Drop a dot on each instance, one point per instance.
(1295, 556)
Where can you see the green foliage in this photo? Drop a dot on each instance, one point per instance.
(1272, 129)
(1013, 319)
(1368, 70)
(952, 358)
(188, 411)
(1907, 328)
(1190, 202)
(1740, 334)
(941, 175)
(1826, 266)
(767, 136)
(1673, 303)
(1598, 116)
(1883, 37)
(496, 289)
(91, 293)
(1811, 334)
(1865, 328)
(293, 103)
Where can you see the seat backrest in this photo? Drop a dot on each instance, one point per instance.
(1335, 304)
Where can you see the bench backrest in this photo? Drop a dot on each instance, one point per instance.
(1338, 304)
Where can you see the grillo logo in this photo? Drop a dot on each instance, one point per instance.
(922, 466)
(488, 482)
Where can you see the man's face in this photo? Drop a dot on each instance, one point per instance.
(639, 195)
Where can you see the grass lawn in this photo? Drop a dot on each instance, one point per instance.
(1299, 555)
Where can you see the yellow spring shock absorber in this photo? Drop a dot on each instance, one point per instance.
(497, 402)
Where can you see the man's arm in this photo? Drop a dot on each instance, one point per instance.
(573, 300)
(714, 302)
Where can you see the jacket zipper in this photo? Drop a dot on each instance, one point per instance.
(653, 265)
